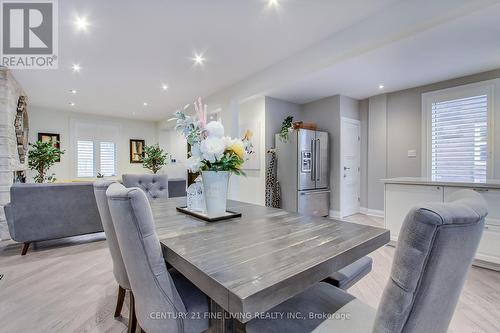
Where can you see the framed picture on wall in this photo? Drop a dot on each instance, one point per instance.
(136, 150)
(55, 138)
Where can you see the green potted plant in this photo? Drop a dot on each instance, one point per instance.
(41, 157)
(154, 158)
(285, 128)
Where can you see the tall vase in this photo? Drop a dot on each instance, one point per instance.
(215, 185)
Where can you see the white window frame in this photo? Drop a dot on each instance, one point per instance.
(475, 89)
(105, 126)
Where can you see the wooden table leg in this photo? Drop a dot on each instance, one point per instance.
(220, 321)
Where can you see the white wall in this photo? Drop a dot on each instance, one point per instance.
(252, 187)
(44, 120)
(175, 144)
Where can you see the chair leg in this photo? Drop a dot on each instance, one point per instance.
(119, 301)
(132, 320)
(25, 248)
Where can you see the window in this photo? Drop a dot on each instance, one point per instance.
(458, 133)
(85, 158)
(107, 159)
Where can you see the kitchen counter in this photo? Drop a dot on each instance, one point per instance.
(404, 193)
(489, 183)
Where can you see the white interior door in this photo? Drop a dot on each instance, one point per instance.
(350, 174)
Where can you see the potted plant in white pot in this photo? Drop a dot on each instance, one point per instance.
(215, 155)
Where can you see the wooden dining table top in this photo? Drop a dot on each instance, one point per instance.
(248, 265)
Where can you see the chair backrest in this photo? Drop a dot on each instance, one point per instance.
(435, 249)
(119, 270)
(155, 186)
(154, 291)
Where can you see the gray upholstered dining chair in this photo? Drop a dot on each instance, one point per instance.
(155, 186)
(119, 270)
(162, 299)
(435, 250)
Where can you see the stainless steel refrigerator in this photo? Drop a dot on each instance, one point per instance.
(303, 172)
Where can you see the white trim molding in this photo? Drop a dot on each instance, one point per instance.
(371, 212)
(334, 214)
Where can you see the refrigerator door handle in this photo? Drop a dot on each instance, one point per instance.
(317, 160)
(313, 160)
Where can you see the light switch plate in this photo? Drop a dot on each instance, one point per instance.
(412, 153)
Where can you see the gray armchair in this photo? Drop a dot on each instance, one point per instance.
(435, 250)
(119, 270)
(155, 186)
(160, 297)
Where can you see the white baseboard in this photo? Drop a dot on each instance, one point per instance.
(372, 212)
(334, 214)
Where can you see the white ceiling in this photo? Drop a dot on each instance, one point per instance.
(132, 47)
(463, 46)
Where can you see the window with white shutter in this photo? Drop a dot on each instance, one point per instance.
(458, 133)
(85, 158)
(460, 139)
(107, 159)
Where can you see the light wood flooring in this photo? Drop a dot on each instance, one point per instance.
(68, 286)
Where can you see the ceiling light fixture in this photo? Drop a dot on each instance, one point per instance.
(273, 3)
(381, 86)
(76, 68)
(164, 87)
(198, 59)
(71, 104)
(145, 104)
(81, 23)
(72, 91)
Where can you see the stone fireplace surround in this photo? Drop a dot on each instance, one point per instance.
(10, 90)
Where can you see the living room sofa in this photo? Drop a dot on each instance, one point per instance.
(39, 212)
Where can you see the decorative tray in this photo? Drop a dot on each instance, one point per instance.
(203, 216)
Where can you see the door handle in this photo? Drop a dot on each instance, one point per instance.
(317, 163)
(313, 159)
(346, 168)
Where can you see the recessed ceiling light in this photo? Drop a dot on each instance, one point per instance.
(381, 86)
(76, 68)
(273, 3)
(71, 104)
(81, 23)
(164, 87)
(198, 59)
(145, 104)
(72, 91)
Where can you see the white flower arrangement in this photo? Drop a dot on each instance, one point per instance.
(210, 149)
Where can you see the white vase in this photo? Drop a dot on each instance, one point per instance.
(215, 185)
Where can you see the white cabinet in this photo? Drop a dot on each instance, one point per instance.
(399, 199)
(489, 247)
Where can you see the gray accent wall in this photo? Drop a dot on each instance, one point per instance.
(377, 151)
(363, 116)
(393, 125)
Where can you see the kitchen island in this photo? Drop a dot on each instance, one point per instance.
(401, 194)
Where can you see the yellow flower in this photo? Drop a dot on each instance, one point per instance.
(248, 135)
(237, 149)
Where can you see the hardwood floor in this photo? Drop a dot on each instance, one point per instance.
(68, 286)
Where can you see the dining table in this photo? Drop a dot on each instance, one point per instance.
(248, 265)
